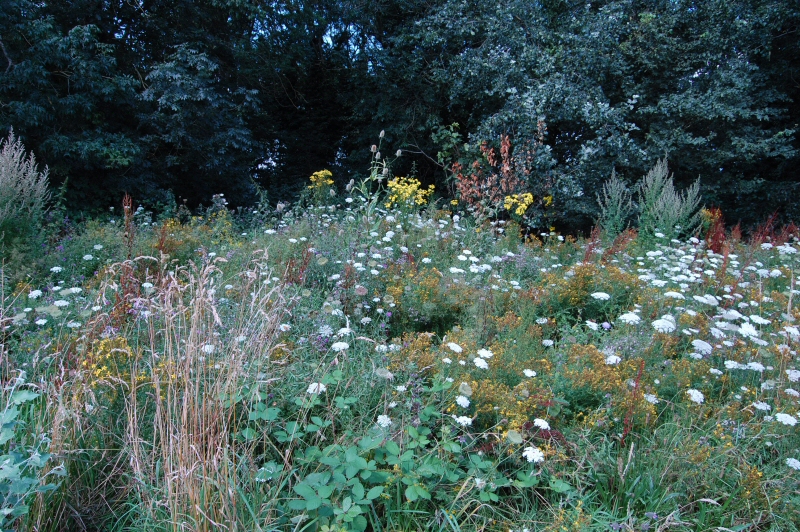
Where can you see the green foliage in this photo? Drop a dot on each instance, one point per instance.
(24, 197)
(353, 366)
(23, 467)
(200, 98)
(616, 206)
(665, 210)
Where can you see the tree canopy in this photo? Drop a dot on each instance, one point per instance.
(216, 96)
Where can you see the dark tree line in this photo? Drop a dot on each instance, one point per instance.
(209, 96)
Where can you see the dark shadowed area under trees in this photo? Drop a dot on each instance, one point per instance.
(179, 100)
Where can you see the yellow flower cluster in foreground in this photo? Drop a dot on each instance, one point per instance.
(407, 191)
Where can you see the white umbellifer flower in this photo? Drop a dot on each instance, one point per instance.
(695, 396)
(480, 363)
(529, 373)
(630, 318)
(613, 360)
(41, 321)
(707, 299)
(208, 349)
(533, 455)
(35, 294)
(650, 398)
(464, 421)
(592, 325)
(548, 343)
(663, 325)
(732, 314)
(339, 346)
(793, 374)
(786, 419)
(715, 371)
(485, 353)
(87, 257)
(748, 331)
(400, 388)
(56, 269)
(447, 360)
(316, 388)
(758, 320)
(674, 295)
(702, 347)
(384, 421)
(716, 333)
(732, 364)
(462, 401)
(541, 423)
(454, 347)
(793, 463)
(761, 405)
(756, 366)
(60, 303)
(792, 392)
(601, 296)
(285, 327)
(98, 247)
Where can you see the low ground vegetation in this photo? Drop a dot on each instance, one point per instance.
(363, 361)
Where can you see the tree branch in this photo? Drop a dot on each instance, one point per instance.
(10, 62)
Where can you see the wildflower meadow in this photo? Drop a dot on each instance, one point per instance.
(378, 357)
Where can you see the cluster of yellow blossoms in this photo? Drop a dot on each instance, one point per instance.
(407, 192)
(518, 203)
(321, 179)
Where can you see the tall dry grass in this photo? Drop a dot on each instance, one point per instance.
(172, 446)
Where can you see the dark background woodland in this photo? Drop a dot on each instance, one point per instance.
(183, 99)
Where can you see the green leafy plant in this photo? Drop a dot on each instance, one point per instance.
(616, 206)
(662, 209)
(24, 196)
(22, 466)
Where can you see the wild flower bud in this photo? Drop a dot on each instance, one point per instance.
(332, 193)
(374, 148)
(350, 185)
(399, 153)
(382, 133)
(385, 172)
(378, 155)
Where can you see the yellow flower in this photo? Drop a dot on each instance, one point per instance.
(407, 192)
(321, 178)
(518, 203)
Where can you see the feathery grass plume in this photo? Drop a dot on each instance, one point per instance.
(662, 209)
(616, 206)
(24, 196)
